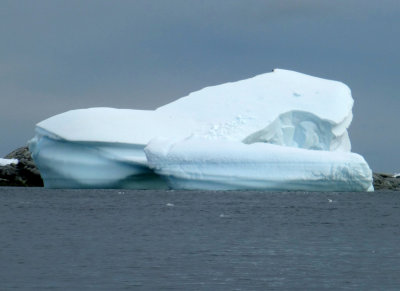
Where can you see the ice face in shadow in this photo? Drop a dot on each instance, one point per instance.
(64, 164)
(225, 165)
(101, 147)
(104, 147)
(301, 130)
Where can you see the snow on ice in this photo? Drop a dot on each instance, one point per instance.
(6, 162)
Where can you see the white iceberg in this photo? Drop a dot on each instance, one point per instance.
(104, 147)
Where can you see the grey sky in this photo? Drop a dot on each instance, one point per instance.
(61, 55)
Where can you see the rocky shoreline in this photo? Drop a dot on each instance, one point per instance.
(25, 173)
(384, 181)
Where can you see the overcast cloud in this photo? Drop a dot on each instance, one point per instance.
(62, 55)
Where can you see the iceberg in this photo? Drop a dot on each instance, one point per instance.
(280, 113)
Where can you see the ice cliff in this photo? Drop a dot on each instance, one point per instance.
(277, 131)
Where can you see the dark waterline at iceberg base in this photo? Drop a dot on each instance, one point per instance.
(198, 240)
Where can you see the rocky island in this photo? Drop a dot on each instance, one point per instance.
(20, 170)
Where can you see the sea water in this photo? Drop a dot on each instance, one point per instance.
(196, 240)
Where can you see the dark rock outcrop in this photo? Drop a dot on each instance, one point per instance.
(386, 182)
(24, 173)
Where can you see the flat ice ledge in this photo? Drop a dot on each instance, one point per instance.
(223, 165)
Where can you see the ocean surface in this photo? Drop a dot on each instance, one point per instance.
(194, 240)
